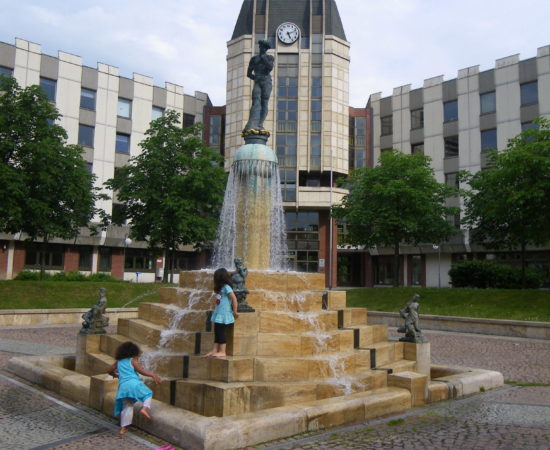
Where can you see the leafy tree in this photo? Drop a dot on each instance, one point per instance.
(398, 201)
(172, 192)
(508, 203)
(46, 188)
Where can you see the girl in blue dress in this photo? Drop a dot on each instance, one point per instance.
(225, 312)
(130, 387)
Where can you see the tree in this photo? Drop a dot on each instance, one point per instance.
(398, 201)
(172, 192)
(508, 203)
(46, 188)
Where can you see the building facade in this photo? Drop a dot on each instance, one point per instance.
(107, 115)
(317, 136)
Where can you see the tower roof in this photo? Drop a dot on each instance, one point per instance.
(296, 11)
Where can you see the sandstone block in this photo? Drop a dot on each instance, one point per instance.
(415, 383)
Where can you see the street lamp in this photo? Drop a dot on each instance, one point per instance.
(127, 242)
(438, 248)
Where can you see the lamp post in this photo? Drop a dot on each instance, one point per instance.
(438, 248)
(127, 242)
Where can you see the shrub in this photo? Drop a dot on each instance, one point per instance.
(100, 276)
(488, 274)
(29, 275)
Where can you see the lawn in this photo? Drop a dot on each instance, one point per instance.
(533, 305)
(73, 294)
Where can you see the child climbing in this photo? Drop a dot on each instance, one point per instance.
(225, 312)
(130, 388)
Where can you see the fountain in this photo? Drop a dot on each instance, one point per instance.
(300, 359)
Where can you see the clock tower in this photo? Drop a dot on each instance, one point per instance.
(308, 116)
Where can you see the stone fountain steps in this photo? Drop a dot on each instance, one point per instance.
(163, 314)
(182, 298)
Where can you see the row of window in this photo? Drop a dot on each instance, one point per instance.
(488, 141)
(86, 139)
(487, 103)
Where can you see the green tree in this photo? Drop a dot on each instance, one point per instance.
(396, 202)
(508, 204)
(172, 192)
(46, 188)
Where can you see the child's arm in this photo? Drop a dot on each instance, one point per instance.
(112, 370)
(142, 371)
(233, 298)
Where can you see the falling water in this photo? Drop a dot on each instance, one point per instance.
(252, 224)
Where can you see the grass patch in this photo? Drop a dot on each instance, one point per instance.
(512, 304)
(54, 294)
(522, 384)
(396, 422)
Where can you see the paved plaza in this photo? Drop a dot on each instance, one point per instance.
(514, 417)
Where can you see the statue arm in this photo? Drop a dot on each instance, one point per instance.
(250, 71)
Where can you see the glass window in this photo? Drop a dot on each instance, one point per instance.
(139, 260)
(53, 258)
(87, 99)
(124, 108)
(48, 86)
(450, 111)
(118, 214)
(488, 139)
(417, 148)
(84, 258)
(487, 103)
(90, 167)
(451, 179)
(104, 259)
(122, 143)
(85, 135)
(451, 146)
(6, 71)
(528, 126)
(529, 93)
(188, 120)
(387, 125)
(417, 119)
(157, 112)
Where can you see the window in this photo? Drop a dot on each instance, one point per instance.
(417, 148)
(451, 146)
(529, 126)
(124, 108)
(84, 258)
(529, 93)
(386, 124)
(188, 120)
(157, 112)
(417, 119)
(48, 86)
(139, 260)
(288, 87)
(104, 259)
(6, 71)
(90, 167)
(85, 135)
(488, 139)
(303, 240)
(87, 99)
(122, 143)
(118, 214)
(215, 137)
(487, 103)
(316, 89)
(315, 152)
(450, 111)
(388, 149)
(451, 179)
(53, 258)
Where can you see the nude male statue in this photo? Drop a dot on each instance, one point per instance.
(259, 70)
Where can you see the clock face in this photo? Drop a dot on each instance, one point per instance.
(288, 33)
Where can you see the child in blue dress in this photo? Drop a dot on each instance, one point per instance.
(225, 312)
(130, 388)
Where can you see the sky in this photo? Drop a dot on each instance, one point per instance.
(393, 42)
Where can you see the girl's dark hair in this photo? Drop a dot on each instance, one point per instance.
(127, 350)
(221, 278)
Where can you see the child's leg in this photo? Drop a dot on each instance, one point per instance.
(219, 331)
(211, 352)
(146, 408)
(126, 415)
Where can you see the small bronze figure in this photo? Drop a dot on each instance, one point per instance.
(95, 319)
(239, 279)
(412, 321)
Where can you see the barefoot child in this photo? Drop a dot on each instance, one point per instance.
(130, 388)
(225, 312)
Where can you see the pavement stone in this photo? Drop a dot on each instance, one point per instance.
(515, 417)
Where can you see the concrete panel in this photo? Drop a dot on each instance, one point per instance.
(87, 117)
(529, 113)
(89, 78)
(449, 90)
(528, 70)
(487, 81)
(126, 88)
(7, 55)
(543, 70)
(49, 67)
(487, 121)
